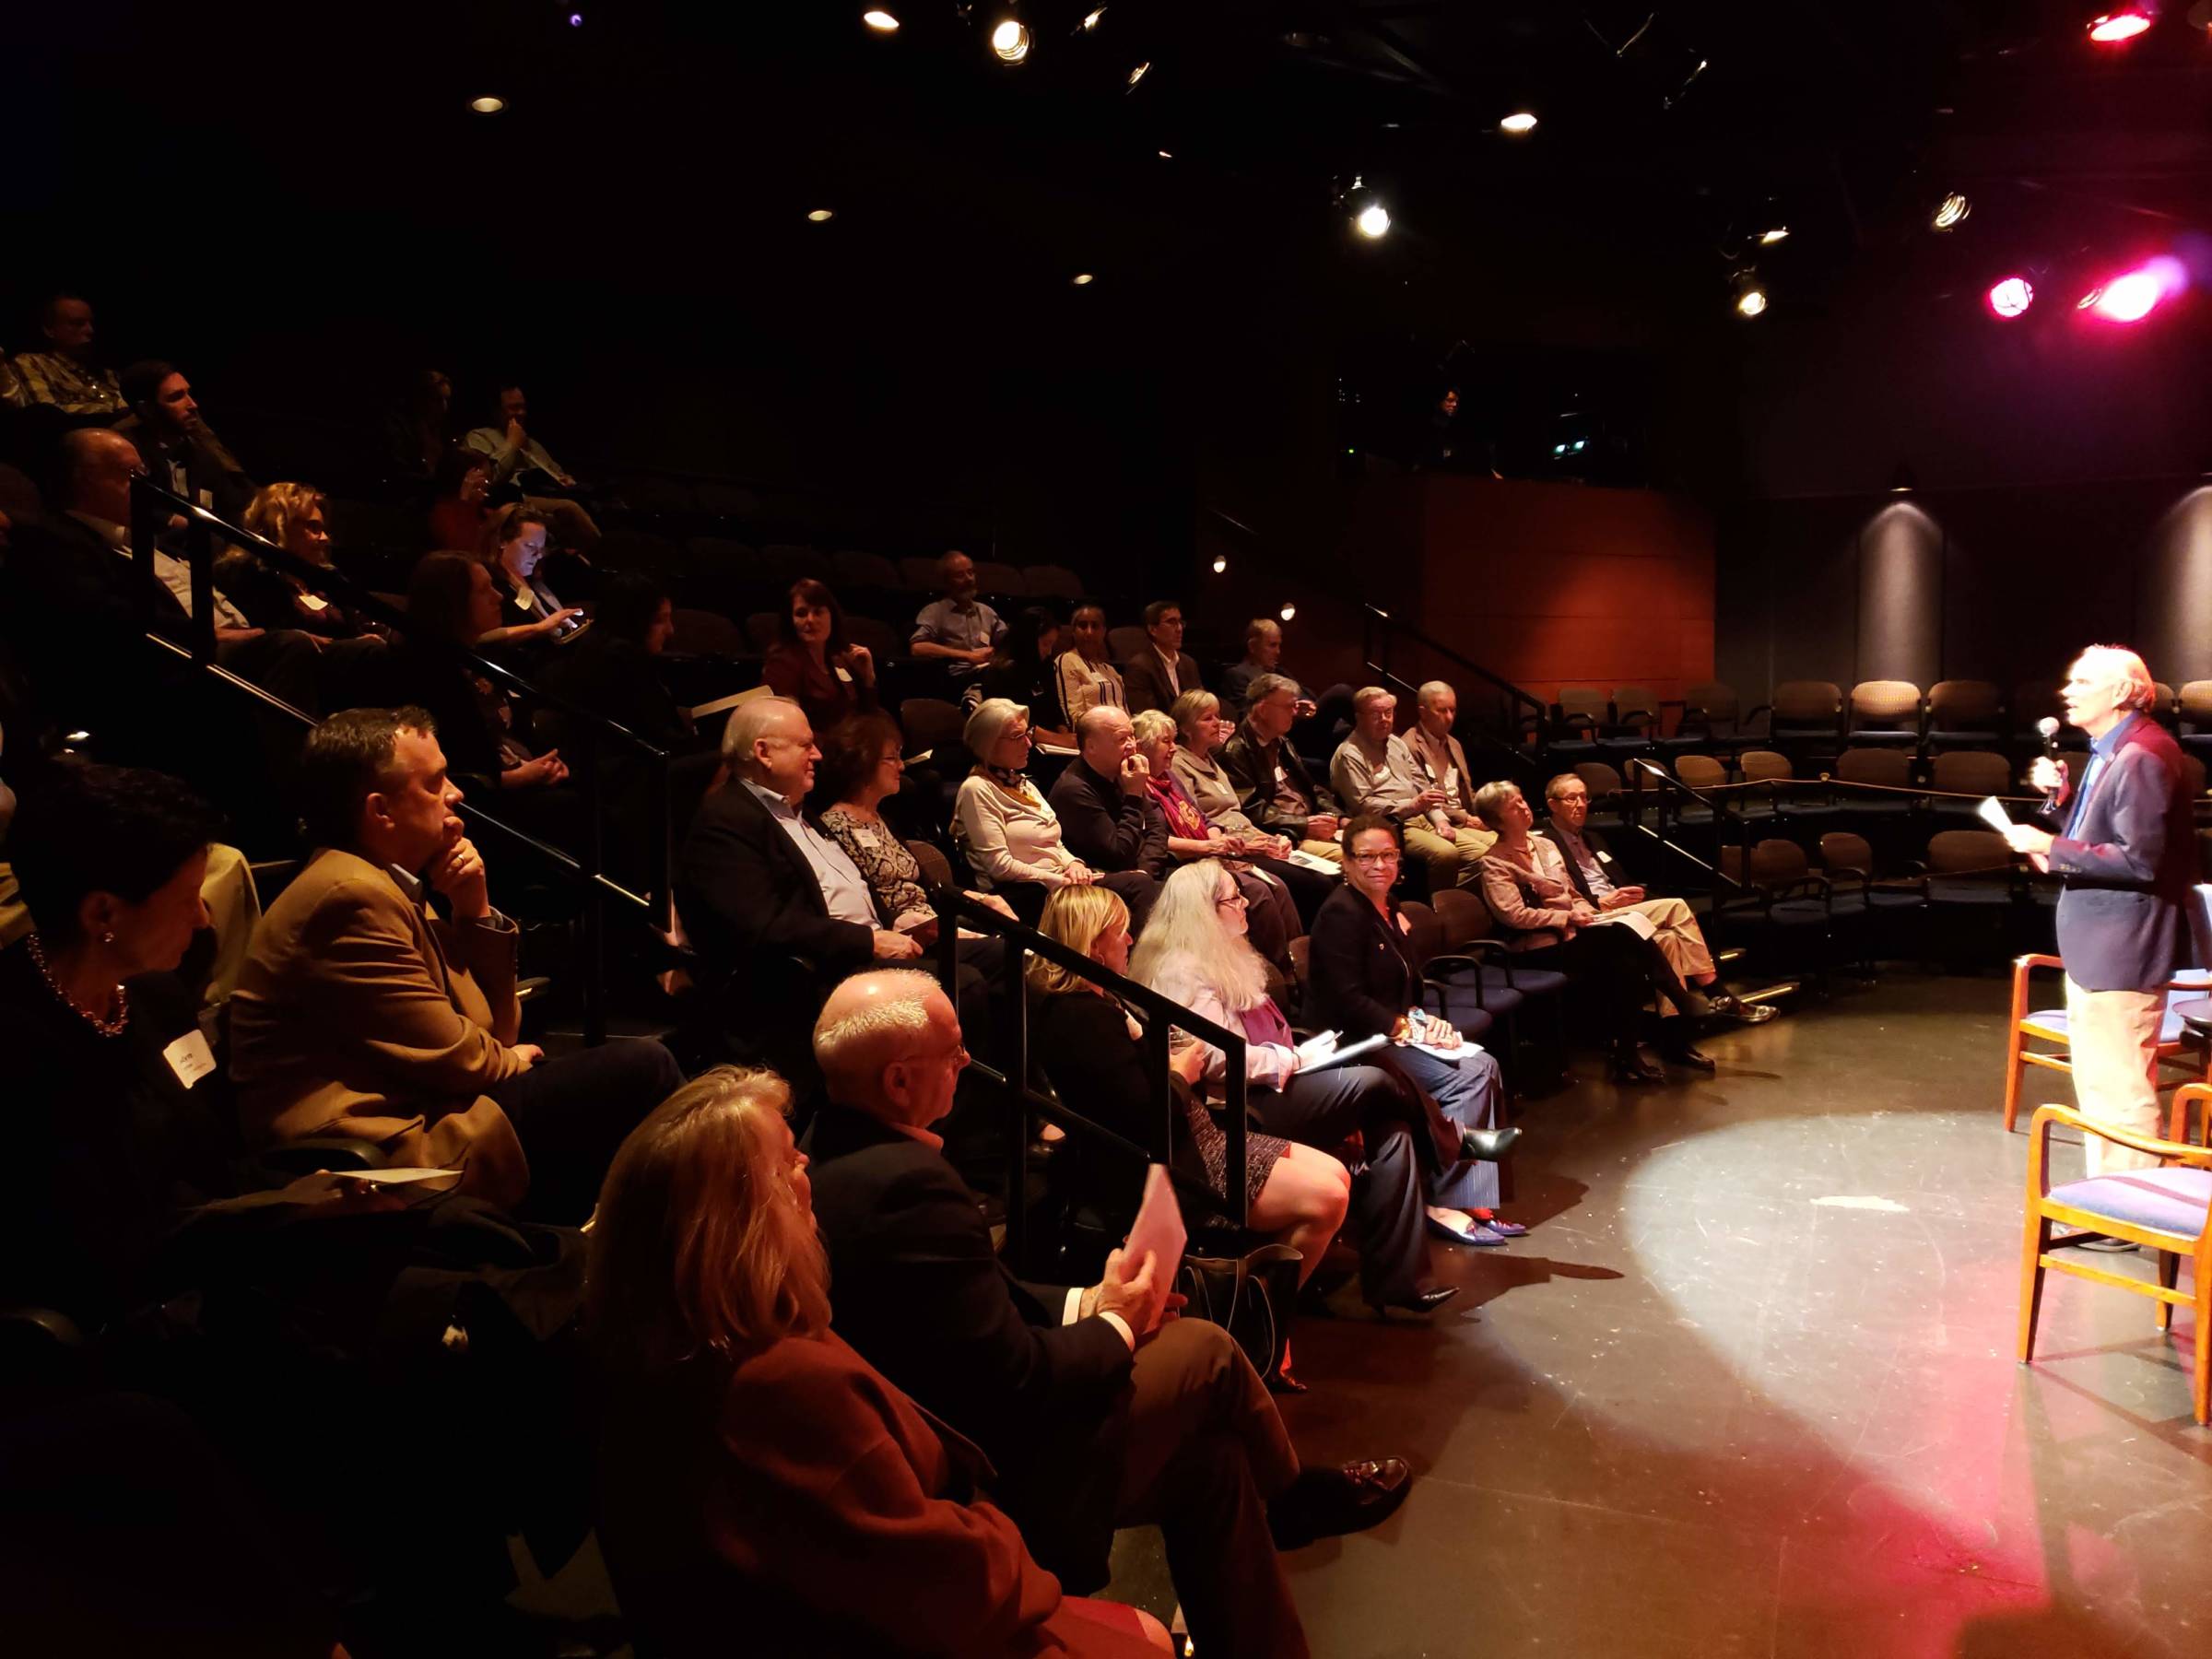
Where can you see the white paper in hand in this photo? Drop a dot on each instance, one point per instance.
(1993, 815)
(1158, 1228)
(1315, 1050)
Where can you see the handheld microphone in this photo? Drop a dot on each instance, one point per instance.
(2047, 729)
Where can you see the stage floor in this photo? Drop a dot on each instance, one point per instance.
(1748, 1387)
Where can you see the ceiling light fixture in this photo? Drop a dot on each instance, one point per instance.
(1950, 213)
(1373, 220)
(2114, 26)
(1140, 73)
(1220, 563)
(881, 21)
(1519, 124)
(1010, 41)
(821, 216)
(1750, 294)
(1082, 280)
(1289, 611)
(2010, 297)
(1767, 239)
(1091, 18)
(487, 105)
(2132, 295)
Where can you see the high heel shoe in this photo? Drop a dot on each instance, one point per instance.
(1486, 1146)
(1420, 1301)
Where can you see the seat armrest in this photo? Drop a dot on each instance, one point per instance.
(288, 1161)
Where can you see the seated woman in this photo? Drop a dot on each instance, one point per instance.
(1191, 834)
(293, 517)
(1026, 671)
(1366, 982)
(1195, 952)
(461, 511)
(1002, 824)
(1200, 731)
(812, 662)
(514, 549)
(1538, 913)
(759, 1475)
(1093, 1055)
(614, 669)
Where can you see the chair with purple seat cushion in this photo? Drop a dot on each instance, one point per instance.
(2178, 1061)
(2162, 1209)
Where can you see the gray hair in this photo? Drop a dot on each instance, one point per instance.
(1152, 724)
(1259, 628)
(988, 724)
(1432, 690)
(1490, 798)
(749, 721)
(853, 1048)
(1191, 707)
(1367, 696)
(1265, 686)
(2118, 664)
(1558, 786)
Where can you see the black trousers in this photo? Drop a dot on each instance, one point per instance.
(573, 1110)
(1310, 890)
(1324, 1109)
(1618, 971)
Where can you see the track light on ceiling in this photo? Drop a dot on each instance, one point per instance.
(2010, 297)
(2123, 24)
(1091, 18)
(1750, 294)
(1767, 239)
(1140, 73)
(1010, 41)
(1289, 612)
(1950, 213)
(1373, 220)
(881, 21)
(1220, 563)
(1082, 280)
(821, 216)
(487, 105)
(1519, 124)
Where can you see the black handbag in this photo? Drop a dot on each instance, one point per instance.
(1251, 1297)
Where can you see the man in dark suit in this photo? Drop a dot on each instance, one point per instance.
(1163, 671)
(1275, 790)
(2127, 848)
(181, 449)
(1108, 818)
(1095, 1411)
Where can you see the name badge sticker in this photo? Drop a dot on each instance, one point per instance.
(189, 1057)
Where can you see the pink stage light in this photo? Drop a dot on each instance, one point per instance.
(2115, 27)
(2134, 295)
(2010, 297)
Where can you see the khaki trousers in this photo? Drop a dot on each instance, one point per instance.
(1321, 849)
(1679, 940)
(1452, 862)
(2112, 1042)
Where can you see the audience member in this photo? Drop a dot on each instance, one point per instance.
(1539, 913)
(1195, 953)
(1318, 715)
(612, 672)
(1027, 671)
(1195, 762)
(1157, 675)
(452, 604)
(1375, 771)
(957, 629)
(67, 377)
(416, 444)
(461, 513)
(514, 548)
(1590, 867)
(1087, 679)
(1095, 1413)
(519, 462)
(293, 517)
(363, 1012)
(1274, 788)
(1440, 763)
(1091, 1048)
(812, 662)
(757, 1475)
(180, 449)
(1008, 832)
(1108, 818)
(1273, 910)
(1367, 982)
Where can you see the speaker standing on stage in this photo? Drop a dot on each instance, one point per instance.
(2127, 852)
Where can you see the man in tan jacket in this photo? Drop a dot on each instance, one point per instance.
(362, 1012)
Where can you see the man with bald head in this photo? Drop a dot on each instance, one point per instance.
(1108, 818)
(1096, 1411)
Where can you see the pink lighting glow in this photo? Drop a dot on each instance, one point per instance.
(2132, 295)
(2115, 27)
(2010, 297)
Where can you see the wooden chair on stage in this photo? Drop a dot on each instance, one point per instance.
(2161, 1209)
(2176, 1053)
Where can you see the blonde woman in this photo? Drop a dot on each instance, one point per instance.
(1094, 1059)
(760, 1475)
(293, 517)
(1294, 892)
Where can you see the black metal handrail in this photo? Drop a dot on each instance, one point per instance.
(1160, 1016)
(1517, 708)
(1669, 787)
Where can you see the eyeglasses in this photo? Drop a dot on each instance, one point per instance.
(1231, 898)
(1390, 857)
(957, 1055)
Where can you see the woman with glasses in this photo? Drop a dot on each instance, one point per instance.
(1195, 952)
(1191, 834)
(1200, 731)
(1366, 982)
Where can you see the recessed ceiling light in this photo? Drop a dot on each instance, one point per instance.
(1010, 41)
(1165, 157)
(1082, 280)
(1951, 211)
(1518, 124)
(881, 21)
(487, 105)
(822, 215)
(1373, 220)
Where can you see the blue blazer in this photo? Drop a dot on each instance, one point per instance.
(2122, 919)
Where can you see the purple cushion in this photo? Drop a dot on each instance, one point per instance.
(2170, 1028)
(2170, 1200)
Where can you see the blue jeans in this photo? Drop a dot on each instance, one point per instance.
(1467, 1091)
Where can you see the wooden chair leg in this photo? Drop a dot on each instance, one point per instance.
(2015, 1071)
(2031, 1281)
(2202, 1378)
(2169, 1266)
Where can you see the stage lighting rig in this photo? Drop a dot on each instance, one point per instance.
(1369, 215)
(1519, 124)
(2122, 23)
(1010, 41)
(1750, 294)
(880, 20)
(2009, 297)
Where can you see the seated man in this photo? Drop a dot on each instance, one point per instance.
(1274, 788)
(1440, 761)
(1108, 818)
(1375, 771)
(66, 377)
(1163, 671)
(1095, 1413)
(1591, 867)
(1088, 680)
(179, 448)
(520, 464)
(958, 629)
(1319, 715)
(360, 1011)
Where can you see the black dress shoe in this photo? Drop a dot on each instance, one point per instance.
(1420, 1301)
(1684, 1054)
(1329, 1502)
(1486, 1146)
(1625, 1065)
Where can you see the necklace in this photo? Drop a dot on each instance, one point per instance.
(106, 1027)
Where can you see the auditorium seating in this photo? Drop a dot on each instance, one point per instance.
(2178, 1059)
(1805, 720)
(1884, 714)
(1965, 713)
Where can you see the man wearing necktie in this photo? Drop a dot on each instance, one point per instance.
(2127, 851)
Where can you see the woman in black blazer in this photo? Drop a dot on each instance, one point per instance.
(1366, 981)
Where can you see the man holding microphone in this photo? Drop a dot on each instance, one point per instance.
(2126, 850)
